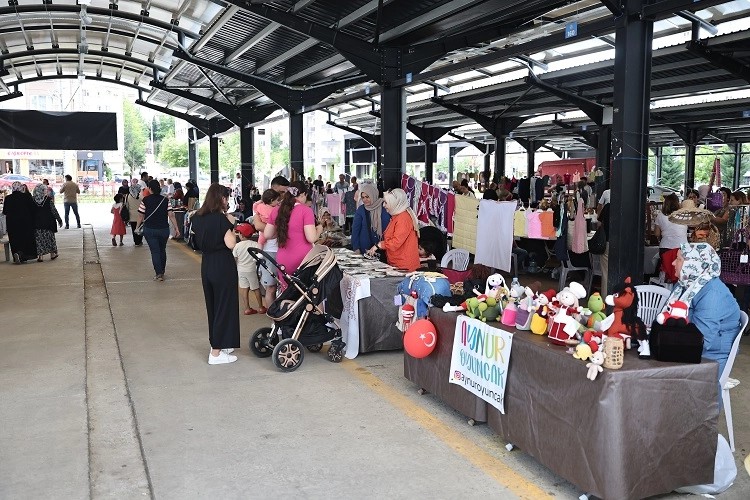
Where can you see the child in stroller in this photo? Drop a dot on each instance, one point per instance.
(297, 313)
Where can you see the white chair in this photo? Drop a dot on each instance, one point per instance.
(651, 301)
(727, 383)
(596, 270)
(566, 268)
(661, 281)
(459, 257)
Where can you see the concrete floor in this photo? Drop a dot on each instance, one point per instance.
(105, 393)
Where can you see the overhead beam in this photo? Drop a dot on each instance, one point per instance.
(251, 42)
(92, 53)
(613, 6)
(292, 99)
(728, 64)
(199, 123)
(240, 116)
(10, 96)
(593, 110)
(372, 139)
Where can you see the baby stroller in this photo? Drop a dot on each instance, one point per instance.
(299, 320)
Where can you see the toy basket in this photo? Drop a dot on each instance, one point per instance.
(614, 353)
(735, 269)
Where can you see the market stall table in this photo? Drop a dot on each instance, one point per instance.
(368, 321)
(642, 430)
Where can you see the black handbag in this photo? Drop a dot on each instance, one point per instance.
(676, 341)
(598, 242)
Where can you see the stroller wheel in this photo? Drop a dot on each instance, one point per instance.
(263, 341)
(288, 355)
(315, 347)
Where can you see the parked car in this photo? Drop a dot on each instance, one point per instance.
(657, 193)
(6, 180)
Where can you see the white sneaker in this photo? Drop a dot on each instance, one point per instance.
(229, 351)
(221, 359)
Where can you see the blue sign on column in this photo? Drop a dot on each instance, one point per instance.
(746, 114)
(571, 29)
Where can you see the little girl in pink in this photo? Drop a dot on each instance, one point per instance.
(118, 225)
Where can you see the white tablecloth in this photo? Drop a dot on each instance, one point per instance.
(353, 289)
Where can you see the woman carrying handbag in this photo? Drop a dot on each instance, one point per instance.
(154, 214)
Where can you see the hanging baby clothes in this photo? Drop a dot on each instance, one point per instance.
(465, 223)
(422, 202)
(579, 233)
(533, 224)
(333, 202)
(519, 223)
(495, 234)
(450, 211)
(548, 227)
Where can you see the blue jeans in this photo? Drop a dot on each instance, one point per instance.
(74, 206)
(157, 244)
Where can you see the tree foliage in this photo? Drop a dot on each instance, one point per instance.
(173, 154)
(136, 136)
(163, 128)
(672, 169)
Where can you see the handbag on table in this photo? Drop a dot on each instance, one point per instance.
(676, 341)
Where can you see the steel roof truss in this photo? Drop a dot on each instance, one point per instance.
(728, 64)
(593, 110)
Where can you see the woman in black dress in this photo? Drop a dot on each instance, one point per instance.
(19, 210)
(44, 221)
(214, 235)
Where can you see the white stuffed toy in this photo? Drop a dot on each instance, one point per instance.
(595, 367)
(496, 288)
(565, 323)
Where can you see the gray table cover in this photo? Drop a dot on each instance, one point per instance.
(643, 430)
(378, 316)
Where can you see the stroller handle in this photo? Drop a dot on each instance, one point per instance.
(261, 257)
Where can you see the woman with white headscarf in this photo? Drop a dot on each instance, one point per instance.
(133, 201)
(711, 306)
(401, 237)
(370, 219)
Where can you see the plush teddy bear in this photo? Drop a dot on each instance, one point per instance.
(565, 323)
(595, 366)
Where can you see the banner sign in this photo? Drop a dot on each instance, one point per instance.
(480, 359)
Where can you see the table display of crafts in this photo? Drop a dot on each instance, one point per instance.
(589, 334)
(364, 267)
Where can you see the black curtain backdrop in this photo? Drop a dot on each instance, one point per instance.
(56, 130)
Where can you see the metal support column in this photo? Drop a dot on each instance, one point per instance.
(604, 159)
(430, 152)
(737, 165)
(659, 154)
(247, 159)
(297, 144)
(393, 136)
(632, 91)
(500, 143)
(214, 154)
(689, 165)
(193, 153)
(452, 152)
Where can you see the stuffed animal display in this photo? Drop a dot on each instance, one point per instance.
(626, 323)
(676, 309)
(595, 366)
(565, 323)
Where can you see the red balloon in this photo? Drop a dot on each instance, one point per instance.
(420, 338)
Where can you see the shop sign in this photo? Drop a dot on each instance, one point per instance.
(480, 359)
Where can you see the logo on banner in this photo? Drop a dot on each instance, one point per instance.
(480, 359)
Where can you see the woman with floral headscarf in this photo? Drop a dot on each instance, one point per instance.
(44, 223)
(401, 237)
(19, 210)
(711, 306)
